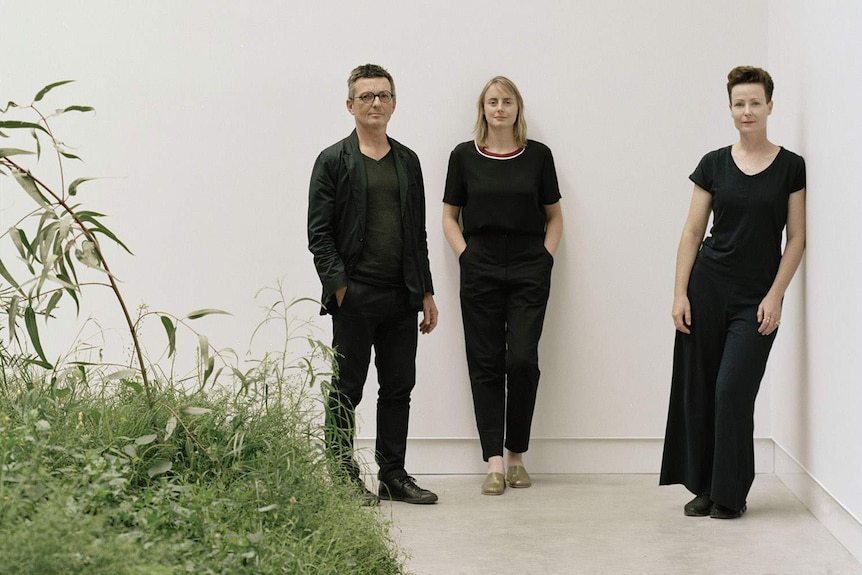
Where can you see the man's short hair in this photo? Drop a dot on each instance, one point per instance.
(368, 71)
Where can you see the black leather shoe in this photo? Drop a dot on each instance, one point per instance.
(700, 506)
(405, 489)
(722, 512)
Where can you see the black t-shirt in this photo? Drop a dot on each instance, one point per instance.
(502, 194)
(382, 261)
(749, 212)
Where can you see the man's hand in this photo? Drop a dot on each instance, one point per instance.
(429, 314)
(339, 295)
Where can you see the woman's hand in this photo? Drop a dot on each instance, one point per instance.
(769, 314)
(681, 313)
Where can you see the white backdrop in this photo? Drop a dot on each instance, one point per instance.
(210, 114)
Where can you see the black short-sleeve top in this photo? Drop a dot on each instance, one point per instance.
(749, 212)
(502, 194)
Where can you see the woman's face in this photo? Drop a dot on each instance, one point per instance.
(501, 107)
(749, 107)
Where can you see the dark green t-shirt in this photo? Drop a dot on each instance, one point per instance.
(382, 260)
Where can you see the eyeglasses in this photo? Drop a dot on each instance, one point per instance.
(368, 97)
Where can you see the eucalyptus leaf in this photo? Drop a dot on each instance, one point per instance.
(121, 374)
(8, 277)
(210, 364)
(197, 314)
(146, 439)
(74, 109)
(159, 467)
(33, 332)
(13, 315)
(18, 124)
(171, 330)
(189, 410)
(69, 155)
(5, 152)
(73, 187)
(48, 88)
(52, 303)
(27, 182)
(170, 427)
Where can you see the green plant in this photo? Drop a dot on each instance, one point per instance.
(155, 477)
(209, 481)
(65, 233)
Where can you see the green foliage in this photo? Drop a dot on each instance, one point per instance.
(103, 471)
(64, 233)
(195, 482)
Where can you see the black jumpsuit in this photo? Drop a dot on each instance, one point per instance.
(505, 282)
(717, 369)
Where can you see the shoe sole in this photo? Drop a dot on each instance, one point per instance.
(692, 513)
(425, 501)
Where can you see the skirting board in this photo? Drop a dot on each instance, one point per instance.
(455, 456)
(844, 527)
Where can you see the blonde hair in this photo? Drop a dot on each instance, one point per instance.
(519, 130)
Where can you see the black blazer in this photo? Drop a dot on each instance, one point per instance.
(337, 204)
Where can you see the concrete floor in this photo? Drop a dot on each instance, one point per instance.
(608, 525)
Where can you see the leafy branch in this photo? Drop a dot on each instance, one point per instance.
(65, 233)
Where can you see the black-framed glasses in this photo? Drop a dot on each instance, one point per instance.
(368, 97)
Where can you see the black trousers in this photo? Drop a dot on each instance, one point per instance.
(505, 283)
(709, 444)
(382, 319)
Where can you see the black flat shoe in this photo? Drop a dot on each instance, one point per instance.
(700, 506)
(405, 489)
(722, 512)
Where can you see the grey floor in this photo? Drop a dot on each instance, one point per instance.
(608, 524)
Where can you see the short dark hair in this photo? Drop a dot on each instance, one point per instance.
(368, 71)
(750, 75)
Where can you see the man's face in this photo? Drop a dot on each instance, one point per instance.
(374, 115)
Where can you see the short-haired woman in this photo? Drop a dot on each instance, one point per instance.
(728, 298)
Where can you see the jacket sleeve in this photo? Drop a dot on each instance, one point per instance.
(424, 261)
(322, 227)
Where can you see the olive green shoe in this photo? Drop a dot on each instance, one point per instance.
(518, 477)
(494, 484)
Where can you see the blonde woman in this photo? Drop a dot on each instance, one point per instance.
(502, 218)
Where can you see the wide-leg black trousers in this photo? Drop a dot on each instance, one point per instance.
(505, 284)
(379, 318)
(717, 369)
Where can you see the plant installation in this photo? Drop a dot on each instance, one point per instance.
(153, 477)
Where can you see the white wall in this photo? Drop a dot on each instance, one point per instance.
(816, 54)
(210, 114)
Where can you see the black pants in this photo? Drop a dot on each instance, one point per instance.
(709, 445)
(505, 283)
(372, 316)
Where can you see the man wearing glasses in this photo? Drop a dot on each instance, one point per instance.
(366, 230)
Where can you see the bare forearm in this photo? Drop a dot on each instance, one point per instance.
(452, 229)
(553, 233)
(689, 244)
(787, 268)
